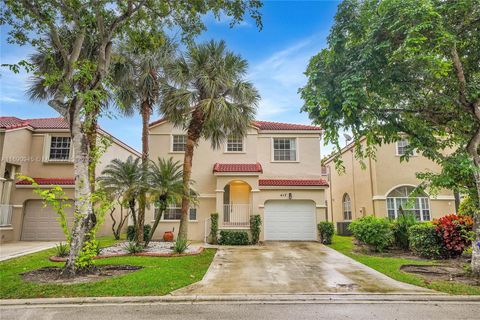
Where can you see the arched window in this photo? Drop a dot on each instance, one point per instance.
(347, 207)
(418, 204)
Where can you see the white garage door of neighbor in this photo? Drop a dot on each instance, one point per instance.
(41, 224)
(290, 220)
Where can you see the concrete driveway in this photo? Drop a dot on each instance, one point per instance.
(12, 250)
(291, 267)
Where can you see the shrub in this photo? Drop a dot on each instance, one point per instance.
(424, 241)
(400, 229)
(131, 232)
(326, 230)
(180, 245)
(455, 232)
(61, 250)
(468, 206)
(214, 228)
(133, 247)
(233, 238)
(373, 231)
(255, 224)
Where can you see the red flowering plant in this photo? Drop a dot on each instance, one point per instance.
(456, 232)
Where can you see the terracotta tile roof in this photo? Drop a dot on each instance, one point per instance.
(293, 182)
(269, 125)
(49, 181)
(265, 125)
(37, 123)
(237, 167)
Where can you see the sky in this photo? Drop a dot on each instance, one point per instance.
(293, 31)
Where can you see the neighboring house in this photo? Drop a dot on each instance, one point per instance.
(41, 149)
(273, 171)
(382, 187)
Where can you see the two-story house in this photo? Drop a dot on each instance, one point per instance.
(273, 171)
(383, 187)
(41, 149)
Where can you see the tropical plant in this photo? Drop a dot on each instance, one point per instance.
(400, 229)
(133, 247)
(455, 232)
(373, 231)
(405, 67)
(255, 227)
(165, 186)
(77, 82)
(61, 250)
(132, 232)
(180, 246)
(425, 242)
(468, 206)
(214, 228)
(205, 93)
(136, 72)
(326, 230)
(122, 180)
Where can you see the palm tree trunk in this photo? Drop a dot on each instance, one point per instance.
(161, 210)
(142, 199)
(193, 135)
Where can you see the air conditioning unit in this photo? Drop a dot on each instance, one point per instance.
(342, 228)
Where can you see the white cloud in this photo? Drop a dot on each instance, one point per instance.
(279, 77)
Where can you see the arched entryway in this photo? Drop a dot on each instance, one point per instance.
(237, 204)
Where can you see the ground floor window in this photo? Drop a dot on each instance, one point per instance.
(403, 198)
(174, 213)
(347, 207)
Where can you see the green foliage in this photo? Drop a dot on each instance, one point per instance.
(255, 224)
(132, 247)
(131, 232)
(61, 249)
(326, 231)
(373, 231)
(233, 238)
(468, 206)
(180, 245)
(214, 228)
(400, 229)
(402, 67)
(425, 241)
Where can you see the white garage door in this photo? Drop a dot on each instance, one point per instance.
(41, 224)
(290, 220)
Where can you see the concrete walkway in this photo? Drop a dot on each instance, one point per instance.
(12, 250)
(291, 267)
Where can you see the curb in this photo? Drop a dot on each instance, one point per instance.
(260, 299)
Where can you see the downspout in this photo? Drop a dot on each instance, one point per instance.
(371, 184)
(353, 183)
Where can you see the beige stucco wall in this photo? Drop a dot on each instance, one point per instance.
(258, 148)
(369, 187)
(25, 148)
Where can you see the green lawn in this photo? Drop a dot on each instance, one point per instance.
(159, 276)
(391, 267)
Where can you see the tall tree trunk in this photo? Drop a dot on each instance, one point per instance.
(142, 199)
(193, 135)
(84, 216)
(161, 210)
(473, 150)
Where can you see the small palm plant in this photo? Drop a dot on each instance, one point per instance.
(204, 92)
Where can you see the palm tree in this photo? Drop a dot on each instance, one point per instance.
(135, 72)
(164, 186)
(205, 93)
(122, 179)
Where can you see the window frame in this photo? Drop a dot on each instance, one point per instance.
(297, 157)
(243, 145)
(397, 153)
(48, 149)
(421, 204)
(172, 143)
(177, 207)
(344, 211)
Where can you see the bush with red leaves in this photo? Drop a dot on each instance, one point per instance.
(456, 233)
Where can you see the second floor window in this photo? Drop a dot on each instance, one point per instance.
(235, 144)
(59, 148)
(179, 142)
(284, 149)
(402, 146)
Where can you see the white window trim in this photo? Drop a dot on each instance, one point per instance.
(236, 152)
(272, 150)
(395, 208)
(171, 143)
(176, 220)
(47, 144)
(414, 154)
(350, 206)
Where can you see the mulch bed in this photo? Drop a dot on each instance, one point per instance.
(140, 254)
(53, 275)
